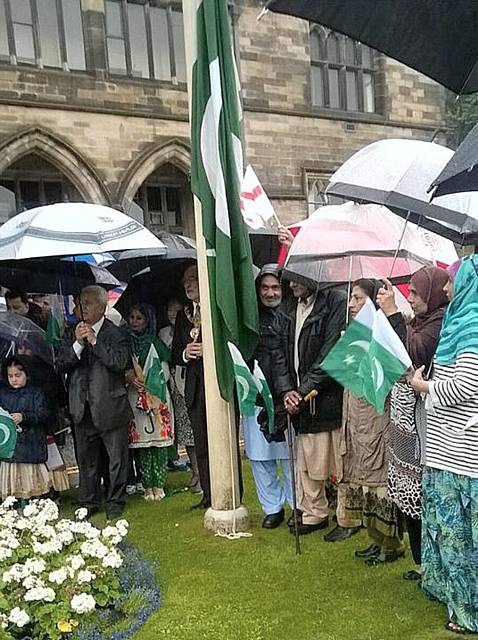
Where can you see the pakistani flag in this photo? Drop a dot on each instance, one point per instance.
(369, 358)
(216, 176)
(246, 385)
(56, 322)
(8, 435)
(266, 394)
(154, 380)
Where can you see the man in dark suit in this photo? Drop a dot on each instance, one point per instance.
(187, 350)
(96, 363)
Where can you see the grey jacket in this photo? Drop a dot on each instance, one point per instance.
(98, 378)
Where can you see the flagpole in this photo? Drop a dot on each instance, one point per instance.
(226, 516)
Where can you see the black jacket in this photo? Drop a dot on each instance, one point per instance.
(31, 440)
(273, 335)
(98, 378)
(320, 332)
(194, 381)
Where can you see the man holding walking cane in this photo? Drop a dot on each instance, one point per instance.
(316, 322)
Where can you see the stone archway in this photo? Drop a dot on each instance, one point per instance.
(175, 152)
(60, 154)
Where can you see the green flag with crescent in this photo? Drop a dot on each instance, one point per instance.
(369, 358)
(8, 435)
(245, 384)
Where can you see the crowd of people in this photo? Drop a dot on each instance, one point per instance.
(411, 468)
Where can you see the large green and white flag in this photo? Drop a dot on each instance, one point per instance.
(369, 358)
(216, 176)
(245, 383)
(154, 379)
(56, 322)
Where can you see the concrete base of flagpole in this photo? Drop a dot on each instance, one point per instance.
(223, 521)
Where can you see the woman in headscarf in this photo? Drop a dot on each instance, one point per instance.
(450, 479)
(365, 463)
(428, 301)
(152, 429)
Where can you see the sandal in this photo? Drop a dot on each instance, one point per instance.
(454, 627)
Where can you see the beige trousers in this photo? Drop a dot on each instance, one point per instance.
(318, 457)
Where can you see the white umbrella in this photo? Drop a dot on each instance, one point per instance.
(398, 174)
(350, 241)
(68, 229)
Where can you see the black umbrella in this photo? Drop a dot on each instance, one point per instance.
(53, 275)
(461, 173)
(155, 285)
(129, 263)
(436, 37)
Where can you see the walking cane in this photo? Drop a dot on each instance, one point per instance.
(290, 442)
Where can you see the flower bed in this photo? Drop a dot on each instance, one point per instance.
(62, 578)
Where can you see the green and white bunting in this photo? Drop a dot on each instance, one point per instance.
(369, 358)
(154, 379)
(216, 176)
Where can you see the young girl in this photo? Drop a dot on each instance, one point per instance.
(25, 474)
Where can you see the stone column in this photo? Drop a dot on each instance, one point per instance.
(95, 43)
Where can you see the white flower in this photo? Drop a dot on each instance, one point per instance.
(109, 532)
(16, 573)
(8, 502)
(33, 582)
(85, 576)
(30, 510)
(94, 548)
(39, 593)
(5, 553)
(44, 548)
(83, 603)
(22, 523)
(35, 565)
(76, 562)
(59, 576)
(122, 526)
(65, 537)
(80, 514)
(3, 621)
(19, 617)
(45, 531)
(113, 560)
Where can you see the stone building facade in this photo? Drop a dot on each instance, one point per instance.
(94, 106)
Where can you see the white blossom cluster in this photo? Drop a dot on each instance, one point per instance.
(51, 560)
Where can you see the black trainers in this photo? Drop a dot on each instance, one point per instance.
(370, 552)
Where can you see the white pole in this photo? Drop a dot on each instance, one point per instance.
(222, 517)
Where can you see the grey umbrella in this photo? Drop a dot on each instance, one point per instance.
(16, 330)
(461, 173)
(436, 37)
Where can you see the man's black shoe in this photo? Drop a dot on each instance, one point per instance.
(384, 557)
(273, 520)
(114, 515)
(369, 552)
(304, 529)
(204, 504)
(290, 521)
(341, 533)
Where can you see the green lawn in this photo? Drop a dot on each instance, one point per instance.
(258, 589)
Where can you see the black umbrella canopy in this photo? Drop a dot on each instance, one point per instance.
(461, 173)
(436, 37)
(53, 275)
(129, 263)
(155, 285)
